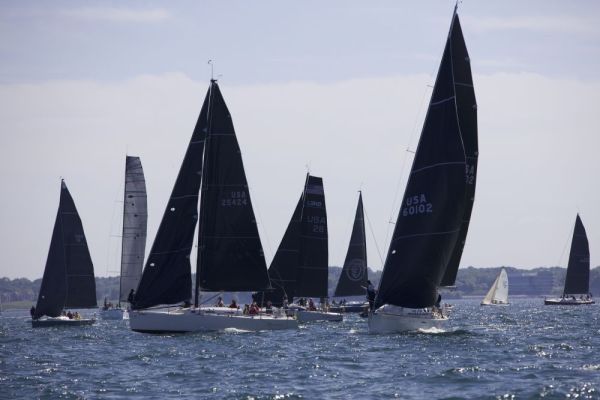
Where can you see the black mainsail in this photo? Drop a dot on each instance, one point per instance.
(135, 220)
(167, 277)
(435, 199)
(577, 280)
(68, 279)
(466, 111)
(353, 279)
(300, 266)
(312, 273)
(230, 256)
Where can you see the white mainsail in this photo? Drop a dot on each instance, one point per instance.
(498, 293)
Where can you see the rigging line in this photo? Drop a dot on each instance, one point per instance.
(373, 234)
(210, 298)
(260, 222)
(117, 200)
(403, 166)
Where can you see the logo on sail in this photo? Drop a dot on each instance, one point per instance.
(355, 270)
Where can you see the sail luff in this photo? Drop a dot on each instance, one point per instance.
(353, 278)
(135, 218)
(577, 280)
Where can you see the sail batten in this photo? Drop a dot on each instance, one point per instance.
(68, 279)
(433, 210)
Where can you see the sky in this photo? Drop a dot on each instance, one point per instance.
(339, 88)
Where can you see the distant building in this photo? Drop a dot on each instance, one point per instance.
(530, 283)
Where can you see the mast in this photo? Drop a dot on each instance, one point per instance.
(202, 188)
(353, 279)
(434, 202)
(577, 280)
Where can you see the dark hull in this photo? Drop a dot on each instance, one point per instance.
(567, 302)
(44, 323)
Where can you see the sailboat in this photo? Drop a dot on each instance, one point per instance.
(353, 278)
(300, 266)
(498, 293)
(230, 255)
(68, 280)
(577, 281)
(133, 239)
(435, 210)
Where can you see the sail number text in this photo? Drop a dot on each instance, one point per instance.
(235, 199)
(317, 224)
(470, 174)
(415, 205)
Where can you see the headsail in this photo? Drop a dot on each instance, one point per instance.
(434, 203)
(466, 111)
(68, 279)
(135, 219)
(577, 280)
(284, 266)
(230, 254)
(167, 277)
(353, 279)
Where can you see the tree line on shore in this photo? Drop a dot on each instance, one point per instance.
(471, 281)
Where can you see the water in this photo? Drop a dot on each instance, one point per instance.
(525, 350)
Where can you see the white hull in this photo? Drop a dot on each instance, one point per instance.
(494, 304)
(310, 316)
(391, 319)
(60, 321)
(114, 314)
(187, 320)
(568, 302)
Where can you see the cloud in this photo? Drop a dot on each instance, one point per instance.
(556, 24)
(114, 14)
